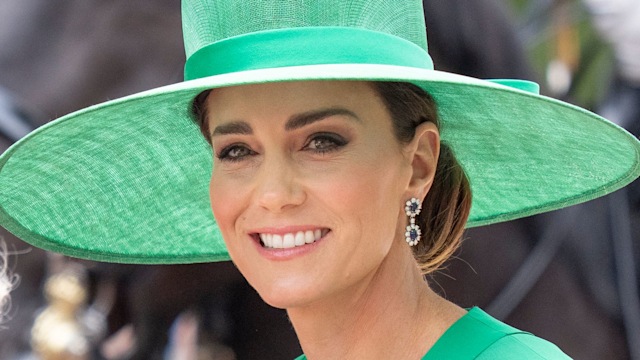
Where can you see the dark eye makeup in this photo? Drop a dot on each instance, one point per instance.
(325, 142)
(235, 152)
(319, 143)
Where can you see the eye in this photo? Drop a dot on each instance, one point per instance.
(235, 152)
(325, 142)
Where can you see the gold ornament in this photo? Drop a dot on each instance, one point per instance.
(57, 333)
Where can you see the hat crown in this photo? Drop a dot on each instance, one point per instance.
(208, 21)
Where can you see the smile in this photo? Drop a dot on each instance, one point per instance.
(291, 240)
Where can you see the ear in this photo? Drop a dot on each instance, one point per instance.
(423, 152)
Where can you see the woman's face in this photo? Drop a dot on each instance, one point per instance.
(308, 186)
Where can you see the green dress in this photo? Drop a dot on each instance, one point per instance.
(479, 336)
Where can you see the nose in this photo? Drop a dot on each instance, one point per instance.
(278, 185)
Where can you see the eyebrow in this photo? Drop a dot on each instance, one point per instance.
(304, 119)
(295, 122)
(234, 127)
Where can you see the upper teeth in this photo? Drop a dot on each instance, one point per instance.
(289, 240)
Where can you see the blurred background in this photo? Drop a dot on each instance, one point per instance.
(570, 276)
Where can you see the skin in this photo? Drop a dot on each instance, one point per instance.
(357, 292)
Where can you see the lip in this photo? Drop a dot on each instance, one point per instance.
(280, 254)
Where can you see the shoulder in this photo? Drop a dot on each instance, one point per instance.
(511, 343)
(522, 346)
(477, 335)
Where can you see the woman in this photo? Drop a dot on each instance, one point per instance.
(336, 183)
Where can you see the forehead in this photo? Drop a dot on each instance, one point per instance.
(289, 97)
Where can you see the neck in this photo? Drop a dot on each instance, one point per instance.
(392, 314)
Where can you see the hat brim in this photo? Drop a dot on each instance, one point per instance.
(127, 180)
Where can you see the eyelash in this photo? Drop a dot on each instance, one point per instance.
(224, 154)
(336, 141)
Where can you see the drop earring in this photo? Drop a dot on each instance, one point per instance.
(413, 233)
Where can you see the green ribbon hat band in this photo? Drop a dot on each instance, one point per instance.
(304, 46)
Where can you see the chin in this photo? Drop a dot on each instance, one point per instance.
(286, 297)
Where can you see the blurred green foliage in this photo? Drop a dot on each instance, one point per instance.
(536, 22)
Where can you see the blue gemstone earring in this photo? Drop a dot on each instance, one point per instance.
(412, 209)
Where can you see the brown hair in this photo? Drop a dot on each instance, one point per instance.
(199, 110)
(446, 207)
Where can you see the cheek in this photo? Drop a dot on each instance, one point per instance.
(368, 195)
(230, 198)
(226, 202)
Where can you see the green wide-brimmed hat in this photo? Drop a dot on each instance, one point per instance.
(127, 180)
